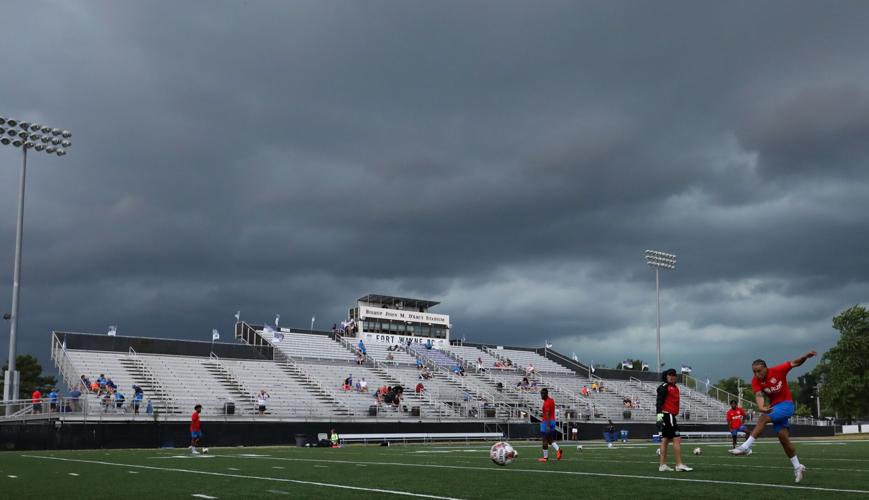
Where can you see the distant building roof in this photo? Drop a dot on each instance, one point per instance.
(388, 300)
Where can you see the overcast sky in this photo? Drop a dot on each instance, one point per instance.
(511, 160)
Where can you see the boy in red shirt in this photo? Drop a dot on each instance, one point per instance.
(547, 426)
(735, 417)
(773, 383)
(196, 430)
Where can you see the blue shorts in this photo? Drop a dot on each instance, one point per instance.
(781, 414)
(547, 428)
(742, 428)
(195, 434)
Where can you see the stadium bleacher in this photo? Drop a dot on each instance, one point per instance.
(305, 377)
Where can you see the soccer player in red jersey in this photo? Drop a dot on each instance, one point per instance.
(667, 407)
(735, 417)
(773, 383)
(547, 426)
(196, 430)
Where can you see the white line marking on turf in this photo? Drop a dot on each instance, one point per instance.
(240, 476)
(73, 474)
(279, 492)
(322, 466)
(12, 477)
(575, 473)
(276, 467)
(232, 468)
(132, 472)
(200, 495)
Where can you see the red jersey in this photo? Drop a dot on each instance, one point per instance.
(194, 422)
(547, 414)
(734, 418)
(36, 396)
(667, 399)
(775, 386)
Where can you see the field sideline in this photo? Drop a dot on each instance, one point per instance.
(836, 468)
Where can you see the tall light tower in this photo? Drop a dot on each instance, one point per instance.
(659, 260)
(27, 136)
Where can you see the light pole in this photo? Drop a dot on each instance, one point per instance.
(659, 260)
(40, 138)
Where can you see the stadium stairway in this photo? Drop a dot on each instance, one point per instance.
(232, 385)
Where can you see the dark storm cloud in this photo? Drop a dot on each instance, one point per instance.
(512, 160)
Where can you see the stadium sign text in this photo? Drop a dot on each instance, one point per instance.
(366, 312)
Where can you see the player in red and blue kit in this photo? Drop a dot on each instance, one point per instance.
(773, 383)
(547, 426)
(196, 430)
(735, 417)
(666, 409)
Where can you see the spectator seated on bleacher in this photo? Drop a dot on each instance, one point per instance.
(95, 387)
(389, 356)
(119, 400)
(524, 384)
(594, 386)
(459, 370)
(500, 365)
(101, 380)
(363, 385)
(73, 400)
(361, 347)
(394, 395)
(137, 400)
(360, 358)
(261, 400)
(348, 383)
(111, 385)
(530, 370)
(424, 374)
(480, 368)
(508, 363)
(85, 383)
(420, 388)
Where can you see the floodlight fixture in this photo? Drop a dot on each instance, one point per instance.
(27, 136)
(659, 260)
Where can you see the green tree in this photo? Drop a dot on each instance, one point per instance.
(30, 376)
(844, 369)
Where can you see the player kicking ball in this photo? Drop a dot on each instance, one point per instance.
(547, 426)
(667, 407)
(773, 383)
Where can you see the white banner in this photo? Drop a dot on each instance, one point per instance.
(386, 338)
(369, 313)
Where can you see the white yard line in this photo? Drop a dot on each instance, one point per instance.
(200, 495)
(240, 476)
(578, 473)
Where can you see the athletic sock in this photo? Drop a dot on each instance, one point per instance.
(545, 453)
(748, 442)
(555, 446)
(795, 461)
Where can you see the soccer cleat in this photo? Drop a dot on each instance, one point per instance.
(683, 468)
(740, 451)
(204, 450)
(195, 452)
(541, 460)
(799, 472)
(558, 454)
(665, 468)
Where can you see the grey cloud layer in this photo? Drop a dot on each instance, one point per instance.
(512, 160)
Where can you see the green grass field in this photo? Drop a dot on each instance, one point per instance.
(837, 468)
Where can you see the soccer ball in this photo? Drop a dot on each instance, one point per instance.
(579, 447)
(697, 451)
(502, 453)
(204, 450)
(658, 452)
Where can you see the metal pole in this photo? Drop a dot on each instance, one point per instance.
(818, 399)
(658, 295)
(12, 387)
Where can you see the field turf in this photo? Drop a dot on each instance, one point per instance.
(837, 468)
